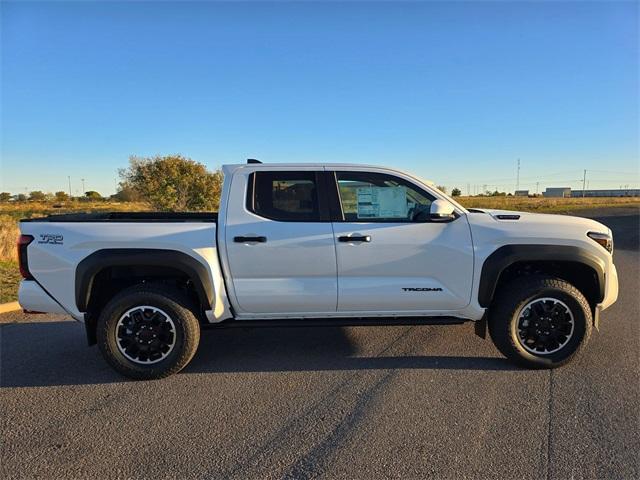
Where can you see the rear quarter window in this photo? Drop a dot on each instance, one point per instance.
(284, 196)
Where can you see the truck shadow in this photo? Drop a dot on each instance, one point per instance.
(55, 354)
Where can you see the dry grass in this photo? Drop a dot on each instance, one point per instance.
(8, 235)
(546, 205)
(9, 280)
(10, 213)
(20, 210)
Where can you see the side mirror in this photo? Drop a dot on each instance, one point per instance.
(441, 211)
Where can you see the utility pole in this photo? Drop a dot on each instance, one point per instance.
(83, 190)
(518, 177)
(584, 182)
(537, 184)
(69, 178)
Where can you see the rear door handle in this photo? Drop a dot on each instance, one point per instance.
(355, 238)
(249, 239)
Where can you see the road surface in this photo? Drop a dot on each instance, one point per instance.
(392, 402)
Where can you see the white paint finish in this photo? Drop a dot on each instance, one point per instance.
(293, 271)
(611, 287)
(54, 266)
(296, 275)
(489, 233)
(32, 297)
(372, 275)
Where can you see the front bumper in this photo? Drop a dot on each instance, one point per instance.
(610, 294)
(610, 288)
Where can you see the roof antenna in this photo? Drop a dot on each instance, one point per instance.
(253, 160)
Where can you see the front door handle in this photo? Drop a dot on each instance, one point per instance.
(249, 239)
(355, 238)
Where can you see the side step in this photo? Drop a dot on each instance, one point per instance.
(336, 322)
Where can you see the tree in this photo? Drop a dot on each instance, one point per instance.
(173, 183)
(442, 188)
(456, 192)
(61, 196)
(21, 197)
(92, 195)
(126, 194)
(5, 196)
(37, 196)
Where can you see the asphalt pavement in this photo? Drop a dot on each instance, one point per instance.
(354, 403)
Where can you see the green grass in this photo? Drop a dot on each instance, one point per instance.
(9, 280)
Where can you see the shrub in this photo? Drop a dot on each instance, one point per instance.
(173, 183)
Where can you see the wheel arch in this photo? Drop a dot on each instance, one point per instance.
(574, 264)
(92, 265)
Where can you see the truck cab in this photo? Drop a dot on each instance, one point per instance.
(341, 240)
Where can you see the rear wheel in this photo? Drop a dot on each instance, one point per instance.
(148, 332)
(540, 321)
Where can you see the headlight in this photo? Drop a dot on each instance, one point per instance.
(604, 239)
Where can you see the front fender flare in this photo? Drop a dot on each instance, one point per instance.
(507, 255)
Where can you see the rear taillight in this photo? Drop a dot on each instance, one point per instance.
(23, 243)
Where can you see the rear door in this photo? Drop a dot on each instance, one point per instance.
(279, 243)
(391, 257)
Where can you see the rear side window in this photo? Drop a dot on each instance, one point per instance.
(284, 196)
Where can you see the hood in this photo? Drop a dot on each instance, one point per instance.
(544, 221)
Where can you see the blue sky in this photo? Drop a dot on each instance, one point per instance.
(455, 92)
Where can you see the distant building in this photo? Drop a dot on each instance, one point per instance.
(615, 192)
(556, 192)
(567, 192)
(521, 193)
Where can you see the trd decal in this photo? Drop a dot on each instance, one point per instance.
(422, 289)
(54, 239)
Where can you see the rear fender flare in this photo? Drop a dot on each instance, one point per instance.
(89, 267)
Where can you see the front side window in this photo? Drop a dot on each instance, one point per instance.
(284, 196)
(378, 197)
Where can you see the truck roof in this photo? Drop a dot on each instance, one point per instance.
(229, 168)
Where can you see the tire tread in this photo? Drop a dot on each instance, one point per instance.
(184, 309)
(508, 301)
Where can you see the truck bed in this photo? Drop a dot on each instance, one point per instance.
(61, 242)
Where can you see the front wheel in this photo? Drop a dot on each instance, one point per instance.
(540, 322)
(148, 332)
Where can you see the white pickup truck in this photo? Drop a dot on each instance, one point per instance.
(319, 244)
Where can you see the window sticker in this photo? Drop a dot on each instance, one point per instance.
(382, 202)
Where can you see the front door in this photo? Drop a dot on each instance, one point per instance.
(279, 244)
(391, 257)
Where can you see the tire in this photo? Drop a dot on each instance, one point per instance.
(540, 322)
(151, 342)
